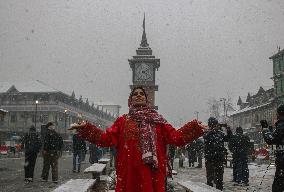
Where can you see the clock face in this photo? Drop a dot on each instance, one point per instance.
(143, 72)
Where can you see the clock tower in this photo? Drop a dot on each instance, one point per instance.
(144, 66)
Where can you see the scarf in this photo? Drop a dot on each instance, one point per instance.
(146, 118)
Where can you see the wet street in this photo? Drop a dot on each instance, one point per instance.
(12, 176)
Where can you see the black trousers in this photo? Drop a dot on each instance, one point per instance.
(278, 183)
(242, 171)
(215, 172)
(234, 162)
(30, 160)
(50, 159)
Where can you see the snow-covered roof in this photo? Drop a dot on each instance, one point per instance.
(3, 111)
(27, 86)
(101, 103)
(248, 109)
(277, 54)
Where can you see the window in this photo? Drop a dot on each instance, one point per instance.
(61, 116)
(256, 118)
(74, 119)
(13, 117)
(43, 118)
(33, 118)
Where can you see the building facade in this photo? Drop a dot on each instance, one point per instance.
(35, 103)
(278, 75)
(256, 107)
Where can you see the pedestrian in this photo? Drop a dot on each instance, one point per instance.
(239, 146)
(181, 156)
(191, 153)
(112, 155)
(52, 150)
(95, 153)
(199, 151)
(276, 137)
(214, 152)
(13, 148)
(79, 148)
(172, 153)
(140, 138)
(32, 144)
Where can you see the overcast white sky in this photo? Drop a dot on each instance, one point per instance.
(208, 48)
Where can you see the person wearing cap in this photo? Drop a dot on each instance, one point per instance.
(79, 148)
(31, 143)
(214, 152)
(141, 138)
(52, 147)
(276, 137)
(239, 146)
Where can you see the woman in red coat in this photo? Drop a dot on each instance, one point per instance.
(140, 138)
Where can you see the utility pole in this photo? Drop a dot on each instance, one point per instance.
(65, 122)
(224, 104)
(196, 112)
(36, 103)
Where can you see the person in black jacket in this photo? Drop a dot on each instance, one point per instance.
(276, 137)
(52, 147)
(191, 153)
(172, 154)
(214, 152)
(79, 148)
(31, 143)
(239, 146)
(199, 152)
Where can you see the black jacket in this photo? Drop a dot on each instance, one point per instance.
(78, 144)
(31, 142)
(52, 141)
(276, 137)
(239, 145)
(199, 145)
(214, 149)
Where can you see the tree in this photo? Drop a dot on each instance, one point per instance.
(220, 107)
(213, 107)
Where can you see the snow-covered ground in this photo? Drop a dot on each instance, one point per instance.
(257, 182)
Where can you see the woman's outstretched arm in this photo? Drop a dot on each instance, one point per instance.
(96, 135)
(187, 133)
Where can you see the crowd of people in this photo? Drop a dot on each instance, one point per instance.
(144, 146)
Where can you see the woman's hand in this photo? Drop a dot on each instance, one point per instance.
(76, 126)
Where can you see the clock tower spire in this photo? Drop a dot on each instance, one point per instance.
(144, 42)
(144, 65)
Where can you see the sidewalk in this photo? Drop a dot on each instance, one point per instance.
(256, 173)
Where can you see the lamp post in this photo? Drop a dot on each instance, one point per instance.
(65, 121)
(196, 112)
(36, 103)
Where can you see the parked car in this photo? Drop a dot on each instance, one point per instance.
(4, 150)
(260, 153)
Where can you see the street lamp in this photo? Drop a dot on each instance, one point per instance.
(196, 112)
(36, 103)
(65, 120)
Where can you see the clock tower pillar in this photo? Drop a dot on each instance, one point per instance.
(144, 65)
